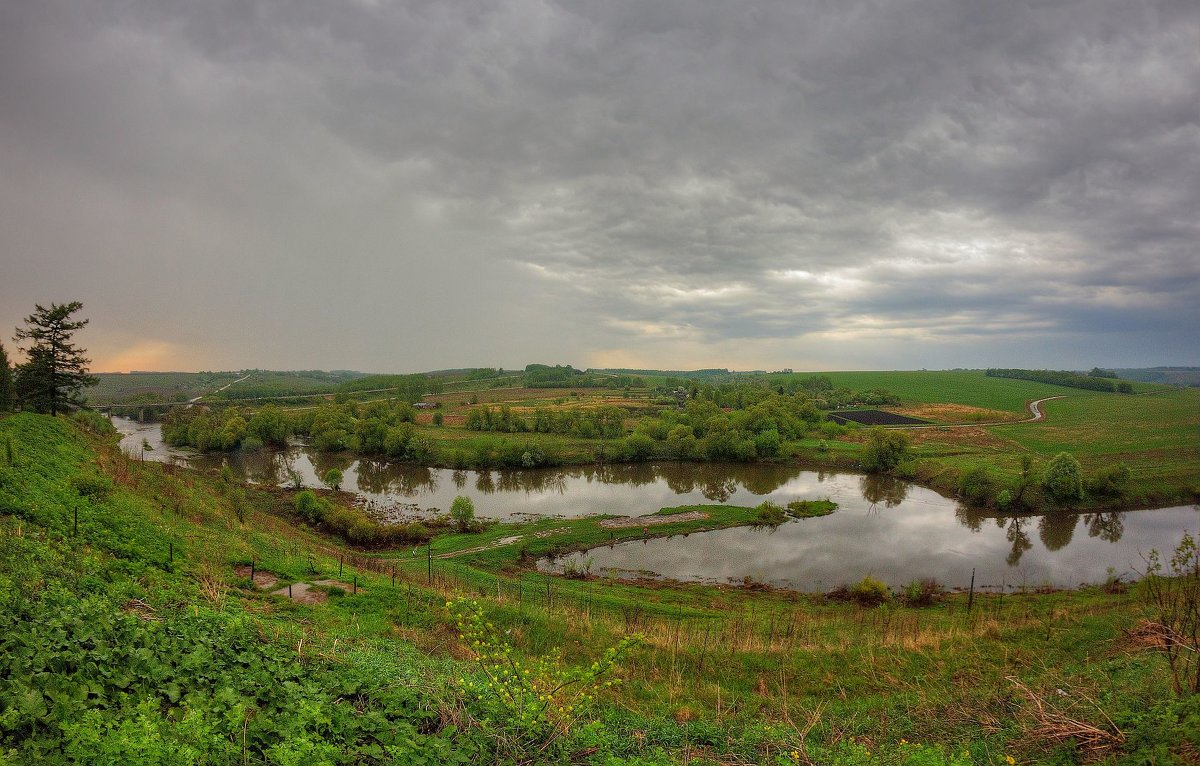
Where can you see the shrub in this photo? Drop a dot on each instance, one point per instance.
(976, 485)
(333, 479)
(1004, 499)
(1063, 479)
(870, 592)
(525, 707)
(770, 514)
(309, 507)
(93, 486)
(462, 511)
(884, 449)
(94, 422)
(923, 592)
(1109, 481)
(640, 446)
(1172, 596)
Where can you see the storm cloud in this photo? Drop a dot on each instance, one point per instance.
(406, 186)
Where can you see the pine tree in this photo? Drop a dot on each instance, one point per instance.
(52, 378)
(6, 381)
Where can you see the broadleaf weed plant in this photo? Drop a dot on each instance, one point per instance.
(527, 705)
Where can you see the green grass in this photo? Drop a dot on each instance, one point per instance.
(113, 654)
(966, 387)
(170, 386)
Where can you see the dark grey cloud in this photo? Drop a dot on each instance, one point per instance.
(410, 185)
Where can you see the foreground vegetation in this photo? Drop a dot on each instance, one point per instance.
(133, 630)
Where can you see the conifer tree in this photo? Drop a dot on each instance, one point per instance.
(55, 373)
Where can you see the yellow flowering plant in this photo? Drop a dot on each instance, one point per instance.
(526, 704)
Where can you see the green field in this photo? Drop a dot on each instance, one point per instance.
(133, 640)
(167, 386)
(968, 387)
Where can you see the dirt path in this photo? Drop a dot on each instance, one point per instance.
(219, 390)
(1037, 411)
(625, 522)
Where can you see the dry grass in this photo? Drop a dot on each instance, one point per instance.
(1057, 722)
(953, 413)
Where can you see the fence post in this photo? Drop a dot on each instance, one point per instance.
(429, 563)
(971, 594)
(356, 585)
(251, 572)
(340, 566)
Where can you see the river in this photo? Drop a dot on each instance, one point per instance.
(886, 528)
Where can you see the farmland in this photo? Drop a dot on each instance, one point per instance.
(506, 419)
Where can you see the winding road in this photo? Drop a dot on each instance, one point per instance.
(1036, 410)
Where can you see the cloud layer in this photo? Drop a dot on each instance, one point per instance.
(402, 186)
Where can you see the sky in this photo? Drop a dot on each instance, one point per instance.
(406, 186)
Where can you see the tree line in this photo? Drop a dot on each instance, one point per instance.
(1063, 378)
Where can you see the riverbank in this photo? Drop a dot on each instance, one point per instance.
(121, 605)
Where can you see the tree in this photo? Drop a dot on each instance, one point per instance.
(1063, 479)
(333, 479)
(884, 450)
(462, 511)
(6, 382)
(55, 372)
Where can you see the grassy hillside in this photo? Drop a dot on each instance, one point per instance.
(138, 639)
(966, 387)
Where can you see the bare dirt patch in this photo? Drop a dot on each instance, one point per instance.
(971, 436)
(262, 580)
(955, 413)
(310, 593)
(626, 522)
(302, 593)
(480, 548)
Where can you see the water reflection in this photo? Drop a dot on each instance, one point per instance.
(878, 488)
(1107, 526)
(1056, 530)
(1019, 538)
(918, 541)
(923, 535)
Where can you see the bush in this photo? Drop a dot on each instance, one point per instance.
(308, 506)
(884, 449)
(640, 446)
(870, 592)
(770, 514)
(976, 485)
(923, 592)
(1109, 481)
(462, 511)
(333, 479)
(93, 486)
(1063, 479)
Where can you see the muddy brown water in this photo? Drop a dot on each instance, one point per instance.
(886, 528)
